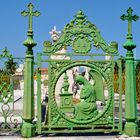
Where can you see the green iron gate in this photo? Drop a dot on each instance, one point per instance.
(10, 116)
(74, 62)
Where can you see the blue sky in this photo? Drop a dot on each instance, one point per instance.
(105, 14)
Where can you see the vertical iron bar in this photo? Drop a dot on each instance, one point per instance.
(12, 84)
(120, 95)
(49, 90)
(113, 103)
(39, 93)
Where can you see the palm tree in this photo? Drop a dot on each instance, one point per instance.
(11, 66)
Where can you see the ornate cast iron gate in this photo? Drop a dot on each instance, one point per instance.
(81, 95)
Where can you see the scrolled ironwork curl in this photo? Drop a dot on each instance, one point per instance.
(16, 120)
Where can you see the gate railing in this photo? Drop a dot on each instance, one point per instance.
(137, 70)
(137, 67)
(11, 92)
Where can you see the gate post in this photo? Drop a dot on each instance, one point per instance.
(28, 128)
(131, 127)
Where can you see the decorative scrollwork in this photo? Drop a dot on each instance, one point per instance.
(16, 120)
(80, 34)
(11, 119)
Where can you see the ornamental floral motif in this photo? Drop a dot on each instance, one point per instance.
(81, 44)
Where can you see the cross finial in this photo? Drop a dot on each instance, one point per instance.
(30, 13)
(129, 18)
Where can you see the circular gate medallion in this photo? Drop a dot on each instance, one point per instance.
(90, 95)
(81, 44)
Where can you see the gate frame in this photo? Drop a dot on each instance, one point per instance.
(41, 127)
(85, 29)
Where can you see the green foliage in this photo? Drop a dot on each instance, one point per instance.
(10, 66)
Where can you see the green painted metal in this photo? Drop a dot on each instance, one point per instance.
(93, 111)
(9, 118)
(129, 18)
(30, 13)
(137, 63)
(6, 87)
(83, 31)
(81, 35)
(94, 108)
(131, 127)
(55, 108)
(39, 121)
(28, 128)
(86, 109)
(66, 104)
(120, 94)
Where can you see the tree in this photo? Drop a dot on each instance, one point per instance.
(11, 66)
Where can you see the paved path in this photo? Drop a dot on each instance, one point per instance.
(18, 107)
(70, 138)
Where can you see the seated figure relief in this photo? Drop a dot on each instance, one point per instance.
(86, 109)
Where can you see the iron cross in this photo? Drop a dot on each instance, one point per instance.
(129, 17)
(30, 13)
